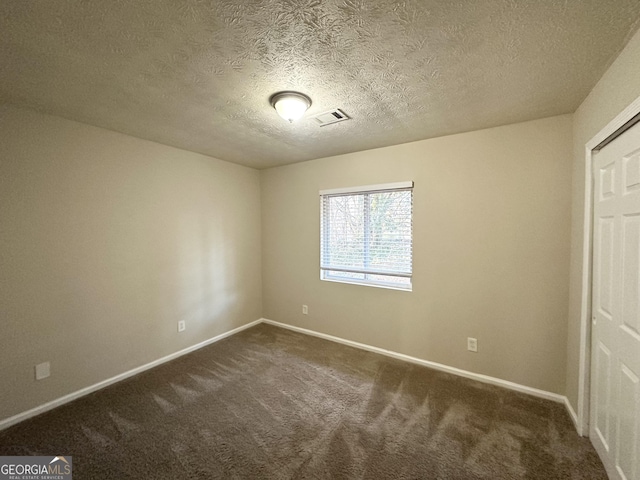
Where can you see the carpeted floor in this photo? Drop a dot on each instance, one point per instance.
(274, 404)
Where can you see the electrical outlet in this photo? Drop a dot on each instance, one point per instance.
(472, 344)
(182, 326)
(43, 370)
(305, 310)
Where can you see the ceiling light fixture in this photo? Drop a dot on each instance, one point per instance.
(290, 105)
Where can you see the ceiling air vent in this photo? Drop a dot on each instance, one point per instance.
(332, 116)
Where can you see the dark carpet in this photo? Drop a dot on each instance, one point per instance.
(271, 403)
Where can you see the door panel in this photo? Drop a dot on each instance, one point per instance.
(628, 435)
(605, 266)
(632, 172)
(631, 274)
(607, 174)
(603, 391)
(615, 336)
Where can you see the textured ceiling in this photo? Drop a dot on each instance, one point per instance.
(198, 74)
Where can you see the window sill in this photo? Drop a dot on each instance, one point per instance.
(366, 284)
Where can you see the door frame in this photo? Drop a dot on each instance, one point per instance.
(584, 379)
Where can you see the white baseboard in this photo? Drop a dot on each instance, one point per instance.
(573, 415)
(437, 366)
(6, 423)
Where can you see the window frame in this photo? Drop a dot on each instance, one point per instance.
(325, 271)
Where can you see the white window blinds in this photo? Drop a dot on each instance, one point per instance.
(366, 235)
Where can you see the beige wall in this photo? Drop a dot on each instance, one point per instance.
(617, 88)
(106, 241)
(491, 251)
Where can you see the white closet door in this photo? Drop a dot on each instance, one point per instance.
(615, 341)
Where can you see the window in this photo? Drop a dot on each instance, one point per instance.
(366, 235)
